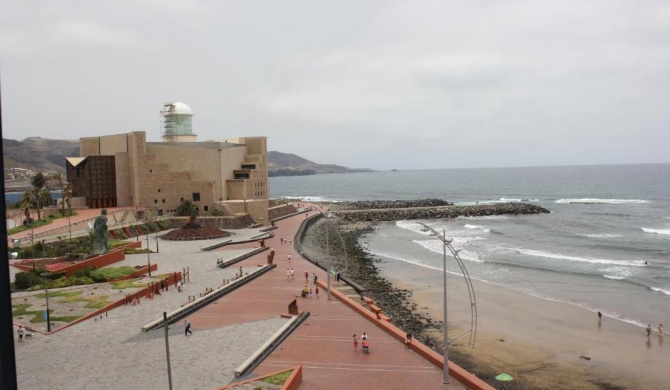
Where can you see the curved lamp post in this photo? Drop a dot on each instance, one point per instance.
(446, 244)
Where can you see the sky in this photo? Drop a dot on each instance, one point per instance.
(367, 84)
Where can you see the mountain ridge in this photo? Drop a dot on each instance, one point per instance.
(48, 155)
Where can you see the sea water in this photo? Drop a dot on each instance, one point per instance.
(605, 245)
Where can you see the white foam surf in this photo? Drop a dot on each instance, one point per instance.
(481, 228)
(602, 201)
(656, 231)
(603, 235)
(661, 290)
(559, 256)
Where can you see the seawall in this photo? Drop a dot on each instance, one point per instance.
(410, 213)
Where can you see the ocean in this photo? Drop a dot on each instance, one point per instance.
(605, 245)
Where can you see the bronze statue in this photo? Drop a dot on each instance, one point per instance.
(100, 234)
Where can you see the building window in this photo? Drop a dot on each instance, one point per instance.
(181, 200)
(155, 200)
(151, 170)
(206, 208)
(163, 200)
(196, 197)
(159, 190)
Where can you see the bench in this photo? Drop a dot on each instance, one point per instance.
(375, 309)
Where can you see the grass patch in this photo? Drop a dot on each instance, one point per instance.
(92, 302)
(130, 283)
(36, 224)
(111, 273)
(278, 379)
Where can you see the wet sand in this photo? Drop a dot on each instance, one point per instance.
(543, 344)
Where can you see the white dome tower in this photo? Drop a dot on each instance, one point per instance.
(177, 123)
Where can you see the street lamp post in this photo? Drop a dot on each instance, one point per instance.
(148, 256)
(69, 220)
(444, 285)
(32, 238)
(46, 293)
(445, 350)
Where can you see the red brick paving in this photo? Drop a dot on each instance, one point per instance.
(323, 343)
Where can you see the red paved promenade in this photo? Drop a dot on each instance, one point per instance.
(323, 343)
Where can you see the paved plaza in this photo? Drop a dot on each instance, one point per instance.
(113, 352)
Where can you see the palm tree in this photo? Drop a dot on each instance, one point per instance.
(45, 197)
(25, 203)
(36, 197)
(67, 197)
(187, 209)
(38, 182)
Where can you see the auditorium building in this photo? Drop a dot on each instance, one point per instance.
(224, 177)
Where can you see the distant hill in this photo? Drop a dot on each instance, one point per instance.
(288, 164)
(48, 155)
(39, 154)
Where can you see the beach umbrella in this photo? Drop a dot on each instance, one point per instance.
(504, 377)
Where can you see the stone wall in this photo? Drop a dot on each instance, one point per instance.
(398, 214)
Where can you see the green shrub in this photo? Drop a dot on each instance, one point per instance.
(121, 234)
(153, 226)
(163, 225)
(25, 280)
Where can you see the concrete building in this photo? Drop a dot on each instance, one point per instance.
(125, 170)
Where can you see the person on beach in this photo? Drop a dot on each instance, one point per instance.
(660, 330)
(648, 330)
(187, 328)
(355, 343)
(600, 315)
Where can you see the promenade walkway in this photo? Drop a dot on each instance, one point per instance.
(323, 344)
(112, 352)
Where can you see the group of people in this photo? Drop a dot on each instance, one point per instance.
(286, 241)
(307, 292)
(364, 341)
(660, 330)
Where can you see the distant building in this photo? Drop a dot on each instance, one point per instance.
(124, 170)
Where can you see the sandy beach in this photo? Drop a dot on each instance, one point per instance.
(543, 344)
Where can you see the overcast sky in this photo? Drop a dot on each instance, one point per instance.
(377, 84)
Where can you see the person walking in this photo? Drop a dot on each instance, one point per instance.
(364, 337)
(648, 330)
(355, 343)
(660, 330)
(306, 277)
(20, 332)
(292, 273)
(316, 291)
(288, 274)
(289, 259)
(187, 328)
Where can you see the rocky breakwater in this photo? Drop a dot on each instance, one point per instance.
(434, 212)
